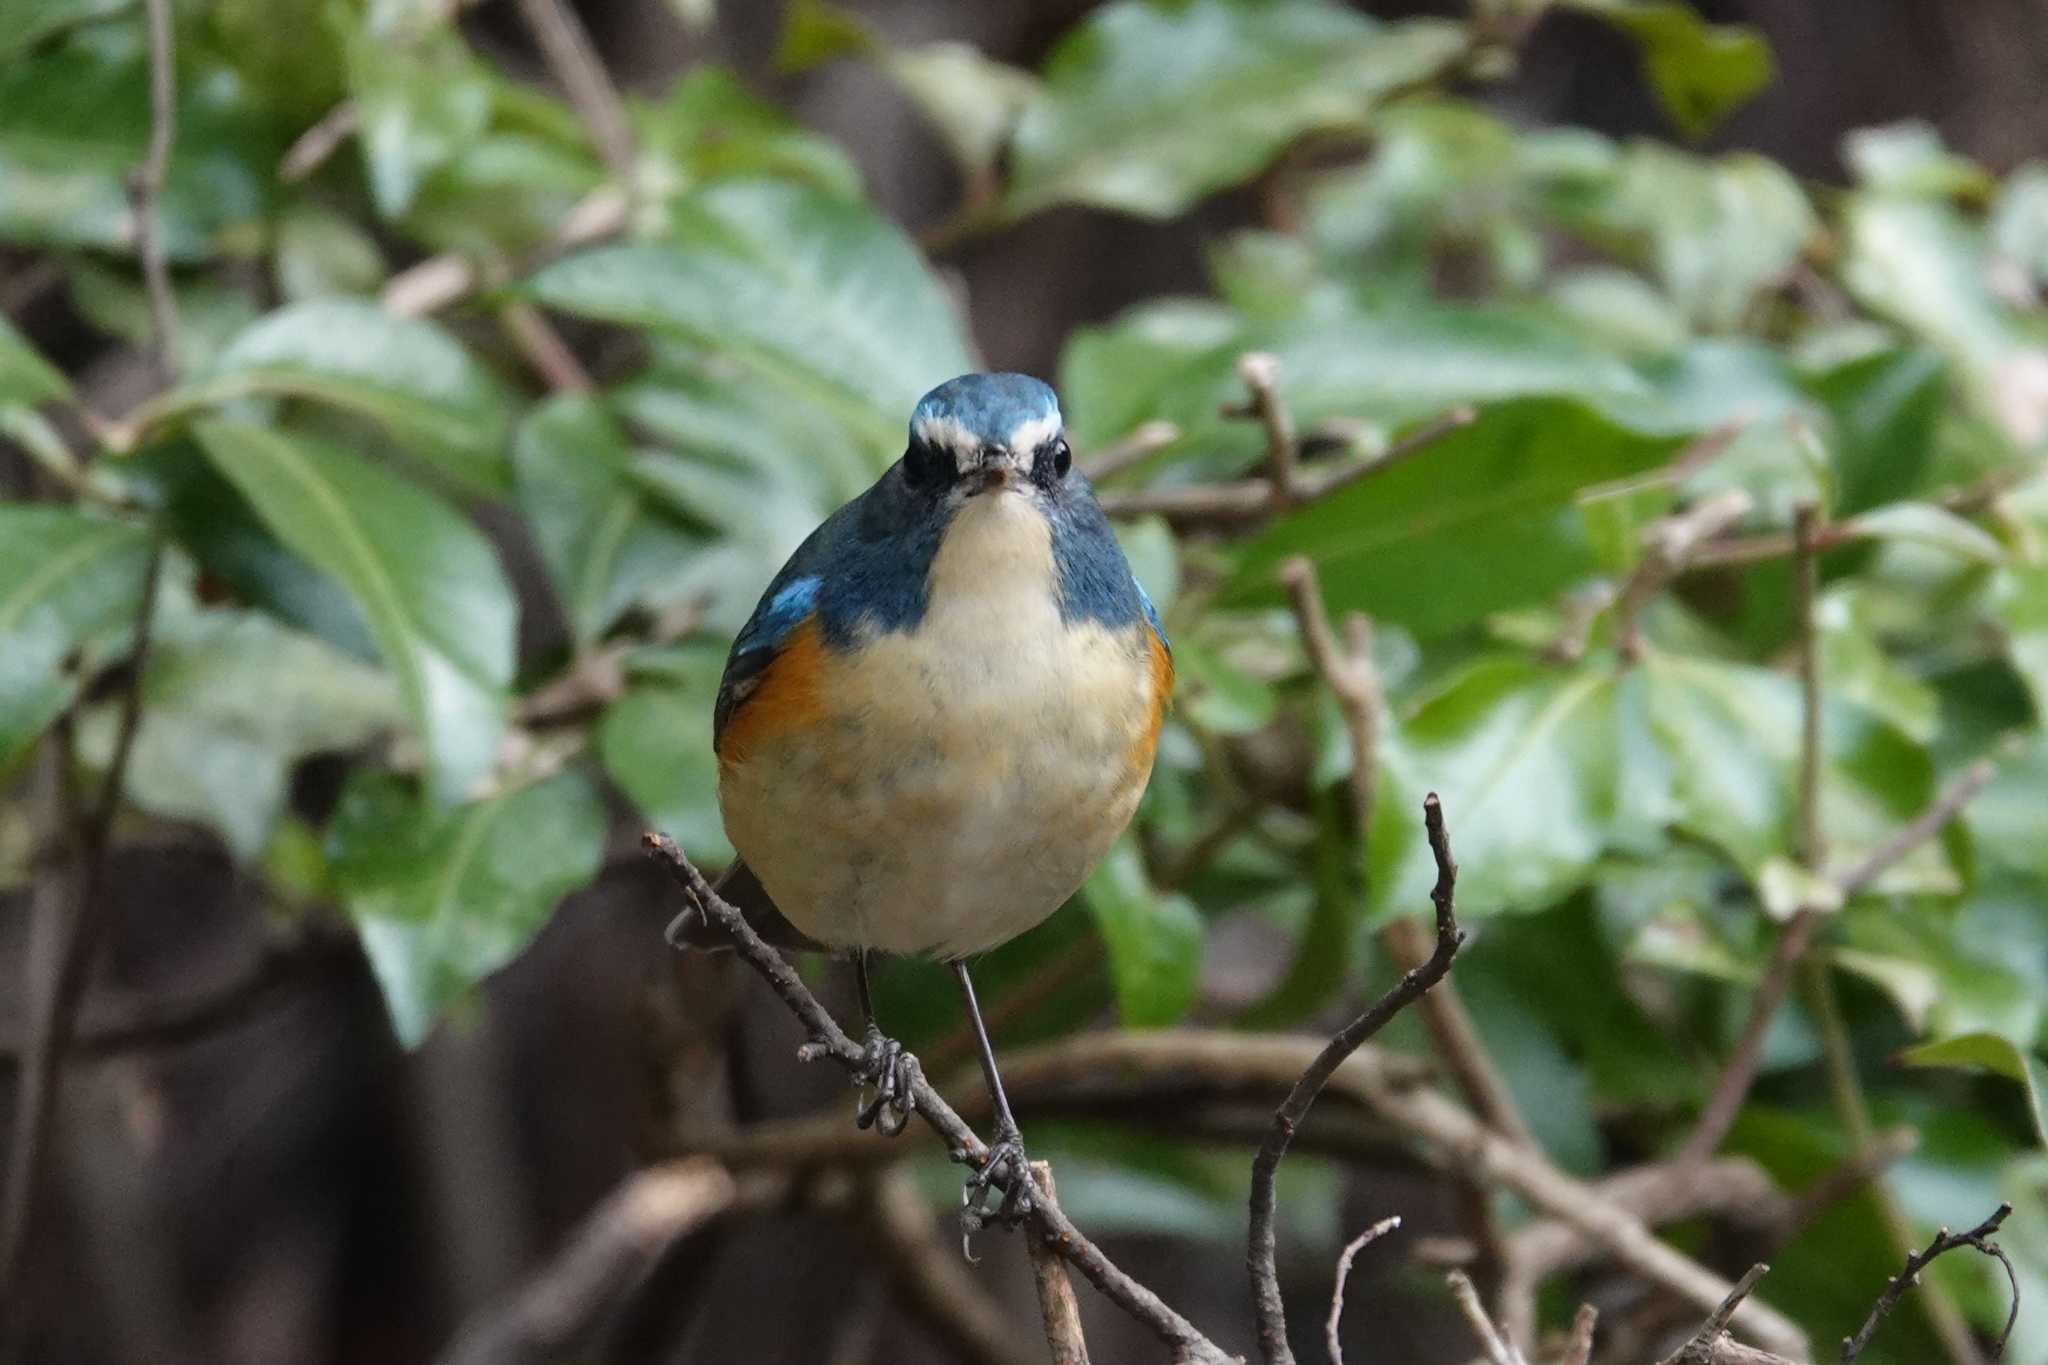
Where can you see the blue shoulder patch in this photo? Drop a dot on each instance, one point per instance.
(1152, 615)
(782, 609)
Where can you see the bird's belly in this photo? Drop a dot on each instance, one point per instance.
(950, 797)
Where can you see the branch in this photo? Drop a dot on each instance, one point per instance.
(608, 1256)
(1057, 1306)
(146, 187)
(1265, 1276)
(1350, 1253)
(1498, 1351)
(1977, 1239)
(566, 47)
(544, 348)
(1144, 440)
(442, 281)
(311, 149)
(1578, 1348)
(1669, 545)
(1244, 501)
(1700, 1350)
(1260, 371)
(1047, 1220)
(933, 1282)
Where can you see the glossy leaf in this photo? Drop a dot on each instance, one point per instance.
(1147, 106)
(25, 377)
(231, 702)
(1701, 72)
(1155, 940)
(1399, 544)
(406, 373)
(65, 579)
(1995, 1053)
(428, 584)
(809, 292)
(605, 548)
(445, 896)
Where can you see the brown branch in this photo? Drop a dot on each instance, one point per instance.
(1578, 1347)
(1669, 545)
(1701, 1348)
(544, 348)
(1265, 1276)
(146, 188)
(1240, 502)
(1046, 1220)
(311, 149)
(933, 1282)
(70, 936)
(1977, 1239)
(1929, 822)
(1144, 441)
(442, 281)
(573, 61)
(1057, 1306)
(1260, 371)
(1331, 1339)
(608, 1256)
(1498, 1351)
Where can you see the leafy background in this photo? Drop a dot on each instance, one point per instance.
(440, 617)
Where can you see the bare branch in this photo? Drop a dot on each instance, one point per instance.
(1244, 501)
(1700, 1350)
(934, 1283)
(1977, 1239)
(1497, 1349)
(1265, 1276)
(1350, 1253)
(1578, 1347)
(1144, 440)
(544, 348)
(1917, 831)
(441, 281)
(573, 61)
(603, 1261)
(311, 149)
(1057, 1306)
(146, 188)
(1260, 371)
(1046, 1220)
(1669, 546)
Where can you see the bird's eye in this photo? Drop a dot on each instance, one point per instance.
(1053, 461)
(926, 466)
(1062, 457)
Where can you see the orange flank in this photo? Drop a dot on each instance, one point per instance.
(1162, 691)
(788, 695)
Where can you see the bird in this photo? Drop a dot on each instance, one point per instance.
(940, 716)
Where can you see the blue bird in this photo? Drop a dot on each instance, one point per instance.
(940, 717)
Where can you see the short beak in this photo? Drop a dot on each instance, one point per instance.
(988, 479)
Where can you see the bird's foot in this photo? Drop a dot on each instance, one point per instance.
(1005, 1169)
(893, 1073)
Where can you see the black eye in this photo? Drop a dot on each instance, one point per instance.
(1053, 461)
(926, 467)
(1062, 458)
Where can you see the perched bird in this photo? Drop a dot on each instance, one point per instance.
(940, 716)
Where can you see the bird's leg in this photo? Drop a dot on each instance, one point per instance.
(884, 1064)
(1006, 1166)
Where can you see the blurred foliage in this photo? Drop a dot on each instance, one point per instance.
(319, 470)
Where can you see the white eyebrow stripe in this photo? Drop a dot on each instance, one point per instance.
(947, 432)
(1029, 436)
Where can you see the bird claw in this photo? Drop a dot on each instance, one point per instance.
(893, 1072)
(1007, 1169)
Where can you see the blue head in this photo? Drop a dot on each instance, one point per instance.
(983, 432)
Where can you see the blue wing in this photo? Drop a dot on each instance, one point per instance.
(787, 604)
(1152, 615)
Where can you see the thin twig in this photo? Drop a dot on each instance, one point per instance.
(1046, 1220)
(1811, 850)
(441, 281)
(603, 1261)
(1929, 822)
(1350, 1253)
(933, 1282)
(544, 348)
(1578, 1347)
(1700, 1349)
(1498, 1350)
(311, 149)
(1669, 546)
(1260, 371)
(1145, 440)
(1057, 1307)
(1243, 501)
(1977, 1239)
(1260, 1256)
(573, 61)
(146, 188)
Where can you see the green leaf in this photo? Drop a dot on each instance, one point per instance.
(1401, 544)
(321, 253)
(1721, 231)
(30, 23)
(427, 582)
(1995, 1053)
(1701, 72)
(1146, 107)
(421, 99)
(74, 121)
(813, 293)
(1937, 528)
(606, 549)
(1885, 409)
(231, 702)
(814, 33)
(65, 578)
(444, 897)
(1155, 941)
(1528, 763)
(656, 744)
(710, 127)
(406, 373)
(25, 377)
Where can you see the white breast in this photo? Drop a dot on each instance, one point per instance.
(969, 773)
